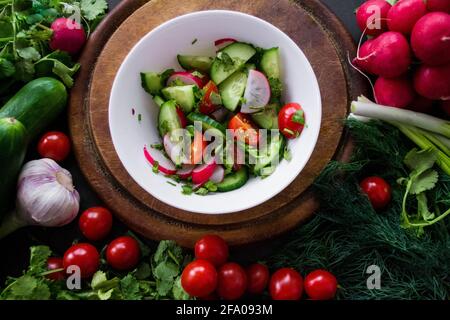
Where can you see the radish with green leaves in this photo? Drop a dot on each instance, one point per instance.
(430, 38)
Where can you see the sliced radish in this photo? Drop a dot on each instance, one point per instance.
(186, 78)
(222, 43)
(220, 114)
(218, 175)
(203, 172)
(164, 165)
(174, 150)
(257, 92)
(186, 171)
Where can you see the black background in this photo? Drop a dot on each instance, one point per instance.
(14, 248)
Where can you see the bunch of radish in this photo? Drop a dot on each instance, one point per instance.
(408, 51)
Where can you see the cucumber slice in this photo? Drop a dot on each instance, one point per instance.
(268, 117)
(270, 63)
(183, 95)
(232, 89)
(234, 180)
(168, 119)
(274, 149)
(158, 100)
(239, 53)
(151, 82)
(189, 63)
(207, 122)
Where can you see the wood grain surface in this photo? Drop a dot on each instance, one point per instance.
(312, 26)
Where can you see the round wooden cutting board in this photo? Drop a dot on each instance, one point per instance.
(310, 24)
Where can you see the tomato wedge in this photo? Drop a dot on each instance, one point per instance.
(244, 129)
(197, 147)
(207, 105)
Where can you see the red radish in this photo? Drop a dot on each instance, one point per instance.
(433, 82)
(164, 165)
(186, 78)
(218, 175)
(174, 150)
(421, 104)
(68, 36)
(182, 118)
(220, 114)
(387, 56)
(394, 92)
(438, 5)
(371, 17)
(404, 14)
(430, 38)
(257, 92)
(445, 106)
(222, 43)
(186, 171)
(203, 172)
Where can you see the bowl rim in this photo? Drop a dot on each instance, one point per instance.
(291, 177)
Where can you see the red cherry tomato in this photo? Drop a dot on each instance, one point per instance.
(258, 277)
(123, 253)
(244, 129)
(54, 145)
(198, 146)
(286, 284)
(182, 117)
(291, 120)
(212, 248)
(54, 263)
(95, 223)
(199, 278)
(83, 255)
(378, 191)
(232, 281)
(207, 106)
(320, 285)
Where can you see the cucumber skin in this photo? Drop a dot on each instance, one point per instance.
(168, 119)
(207, 122)
(13, 146)
(188, 63)
(270, 69)
(37, 104)
(241, 178)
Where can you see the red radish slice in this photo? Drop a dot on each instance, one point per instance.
(220, 114)
(164, 165)
(257, 92)
(186, 78)
(218, 175)
(222, 43)
(202, 173)
(174, 150)
(182, 117)
(186, 171)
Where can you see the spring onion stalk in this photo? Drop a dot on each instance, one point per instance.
(425, 131)
(366, 108)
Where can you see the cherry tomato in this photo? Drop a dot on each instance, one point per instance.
(286, 284)
(320, 285)
(378, 191)
(212, 248)
(258, 277)
(244, 129)
(182, 117)
(197, 147)
(95, 223)
(123, 253)
(199, 278)
(83, 255)
(232, 281)
(207, 106)
(54, 263)
(291, 120)
(54, 145)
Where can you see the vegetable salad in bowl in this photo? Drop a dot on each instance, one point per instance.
(222, 119)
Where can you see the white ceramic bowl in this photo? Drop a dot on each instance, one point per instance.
(157, 51)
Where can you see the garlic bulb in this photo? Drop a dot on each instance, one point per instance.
(45, 197)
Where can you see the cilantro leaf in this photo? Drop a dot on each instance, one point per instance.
(420, 161)
(299, 117)
(28, 53)
(425, 181)
(129, 286)
(422, 207)
(38, 259)
(187, 189)
(178, 291)
(7, 68)
(91, 9)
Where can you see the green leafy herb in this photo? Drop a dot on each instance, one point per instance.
(299, 117)
(197, 74)
(155, 167)
(194, 41)
(157, 146)
(276, 87)
(225, 60)
(171, 183)
(187, 190)
(91, 9)
(215, 98)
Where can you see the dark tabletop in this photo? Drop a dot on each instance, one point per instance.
(14, 248)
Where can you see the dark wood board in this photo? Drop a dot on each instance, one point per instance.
(310, 24)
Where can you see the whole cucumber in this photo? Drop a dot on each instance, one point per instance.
(13, 146)
(37, 104)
